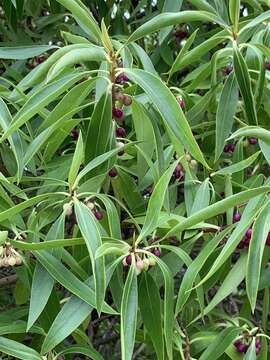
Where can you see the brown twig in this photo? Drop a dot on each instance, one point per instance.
(7, 280)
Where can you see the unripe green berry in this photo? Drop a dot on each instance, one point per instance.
(146, 264)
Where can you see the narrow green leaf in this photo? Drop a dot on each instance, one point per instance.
(155, 203)
(83, 17)
(234, 9)
(19, 351)
(221, 342)
(24, 52)
(76, 161)
(172, 115)
(168, 19)
(238, 166)
(129, 307)
(226, 110)
(260, 231)
(244, 82)
(252, 131)
(91, 234)
(151, 312)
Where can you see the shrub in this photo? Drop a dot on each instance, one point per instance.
(134, 180)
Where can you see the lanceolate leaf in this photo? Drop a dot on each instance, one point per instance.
(19, 351)
(76, 162)
(244, 82)
(256, 248)
(83, 16)
(226, 110)
(129, 307)
(151, 312)
(168, 19)
(99, 128)
(92, 236)
(167, 105)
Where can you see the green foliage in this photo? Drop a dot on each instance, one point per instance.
(134, 179)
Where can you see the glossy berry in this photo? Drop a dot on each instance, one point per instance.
(118, 113)
(236, 217)
(98, 215)
(40, 59)
(157, 252)
(267, 66)
(241, 347)
(74, 134)
(181, 34)
(127, 100)
(252, 141)
(267, 243)
(129, 260)
(181, 103)
(121, 132)
(248, 233)
(258, 346)
(113, 173)
(178, 172)
(228, 70)
(122, 78)
(229, 148)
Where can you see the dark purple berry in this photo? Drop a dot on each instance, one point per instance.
(40, 59)
(181, 103)
(129, 260)
(98, 214)
(226, 148)
(236, 217)
(267, 66)
(121, 132)
(74, 134)
(113, 173)
(122, 78)
(248, 233)
(181, 34)
(178, 172)
(228, 70)
(252, 141)
(268, 240)
(118, 113)
(157, 252)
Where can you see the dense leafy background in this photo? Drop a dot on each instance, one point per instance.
(134, 166)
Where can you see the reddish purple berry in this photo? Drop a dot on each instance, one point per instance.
(252, 141)
(181, 103)
(178, 172)
(98, 214)
(248, 233)
(157, 252)
(228, 70)
(118, 113)
(74, 134)
(40, 59)
(122, 78)
(181, 34)
(113, 173)
(229, 148)
(237, 217)
(121, 132)
(129, 260)
(267, 66)
(267, 243)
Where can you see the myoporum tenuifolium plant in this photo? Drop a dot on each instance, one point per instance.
(134, 180)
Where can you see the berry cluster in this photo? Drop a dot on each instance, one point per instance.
(242, 346)
(244, 243)
(9, 256)
(142, 264)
